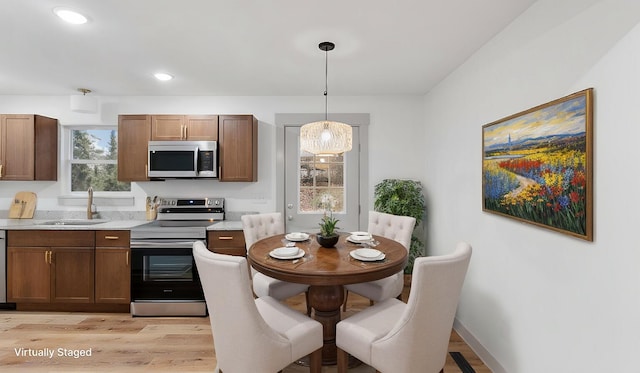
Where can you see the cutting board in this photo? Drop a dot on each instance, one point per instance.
(23, 205)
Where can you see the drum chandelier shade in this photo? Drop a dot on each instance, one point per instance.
(326, 137)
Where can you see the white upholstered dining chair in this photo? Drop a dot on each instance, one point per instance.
(252, 335)
(392, 336)
(259, 226)
(399, 229)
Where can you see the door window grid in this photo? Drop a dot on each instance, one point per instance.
(321, 183)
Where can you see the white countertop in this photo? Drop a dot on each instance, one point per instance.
(26, 224)
(226, 225)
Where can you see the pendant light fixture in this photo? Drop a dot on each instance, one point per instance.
(84, 103)
(326, 137)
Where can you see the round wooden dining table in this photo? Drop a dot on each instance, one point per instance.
(327, 270)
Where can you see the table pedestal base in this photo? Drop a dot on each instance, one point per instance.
(326, 302)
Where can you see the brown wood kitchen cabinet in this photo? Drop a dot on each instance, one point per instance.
(28, 147)
(227, 242)
(184, 127)
(238, 144)
(112, 268)
(134, 133)
(50, 266)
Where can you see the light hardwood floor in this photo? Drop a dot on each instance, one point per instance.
(121, 343)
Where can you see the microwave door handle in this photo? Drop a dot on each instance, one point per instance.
(196, 166)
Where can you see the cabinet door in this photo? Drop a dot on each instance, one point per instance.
(18, 147)
(28, 275)
(46, 146)
(238, 147)
(168, 127)
(72, 274)
(227, 242)
(202, 127)
(134, 132)
(113, 271)
(113, 275)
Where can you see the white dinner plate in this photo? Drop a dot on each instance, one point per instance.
(368, 253)
(297, 236)
(354, 255)
(274, 254)
(361, 234)
(359, 239)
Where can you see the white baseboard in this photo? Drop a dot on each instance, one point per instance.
(478, 348)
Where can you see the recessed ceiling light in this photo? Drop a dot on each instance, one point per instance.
(70, 16)
(163, 76)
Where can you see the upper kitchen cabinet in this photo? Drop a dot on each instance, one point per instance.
(184, 127)
(238, 144)
(134, 133)
(28, 147)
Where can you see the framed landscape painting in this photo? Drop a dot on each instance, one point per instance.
(537, 165)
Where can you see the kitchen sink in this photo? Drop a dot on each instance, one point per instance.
(75, 222)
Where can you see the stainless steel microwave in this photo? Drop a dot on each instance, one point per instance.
(182, 159)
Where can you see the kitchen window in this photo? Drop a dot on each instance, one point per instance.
(93, 160)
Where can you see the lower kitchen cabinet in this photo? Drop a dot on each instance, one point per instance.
(112, 268)
(50, 266)
(28, 275)
(227, 242)
(69, 270)
(72, 274)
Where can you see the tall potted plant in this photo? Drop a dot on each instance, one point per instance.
(402, 197)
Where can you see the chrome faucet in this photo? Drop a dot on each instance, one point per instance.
(91, 208)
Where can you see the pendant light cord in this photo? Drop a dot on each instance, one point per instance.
(326, 85)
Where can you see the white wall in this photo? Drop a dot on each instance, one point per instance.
(537, 300)
(393, 125)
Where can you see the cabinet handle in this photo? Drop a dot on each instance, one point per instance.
(0, 170)
(225, 238)
(46, 260)
(127, 259)
(111, 237)
(186, 135)
(50, 256)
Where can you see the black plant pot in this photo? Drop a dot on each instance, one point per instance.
(329, 241)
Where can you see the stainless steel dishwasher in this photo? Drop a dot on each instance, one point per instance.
(3, 268)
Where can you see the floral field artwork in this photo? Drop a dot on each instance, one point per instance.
(537, 165)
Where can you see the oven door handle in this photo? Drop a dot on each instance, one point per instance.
(156, 244)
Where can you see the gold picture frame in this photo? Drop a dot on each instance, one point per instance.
(537, 165)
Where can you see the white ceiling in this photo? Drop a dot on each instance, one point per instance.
(242, 47)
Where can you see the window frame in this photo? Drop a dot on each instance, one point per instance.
(68, 160)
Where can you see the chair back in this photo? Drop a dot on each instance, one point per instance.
(420, 338)
(243, 341)
(259, 226)
(394, 227)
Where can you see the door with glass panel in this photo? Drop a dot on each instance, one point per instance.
(316, 185)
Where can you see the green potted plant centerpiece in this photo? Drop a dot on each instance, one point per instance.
(328, 236)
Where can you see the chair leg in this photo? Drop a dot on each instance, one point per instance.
(315, 361)
(344, 304)
(370, 302)
(343, 361)
(306, 298)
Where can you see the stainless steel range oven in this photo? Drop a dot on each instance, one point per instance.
(164, 278)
